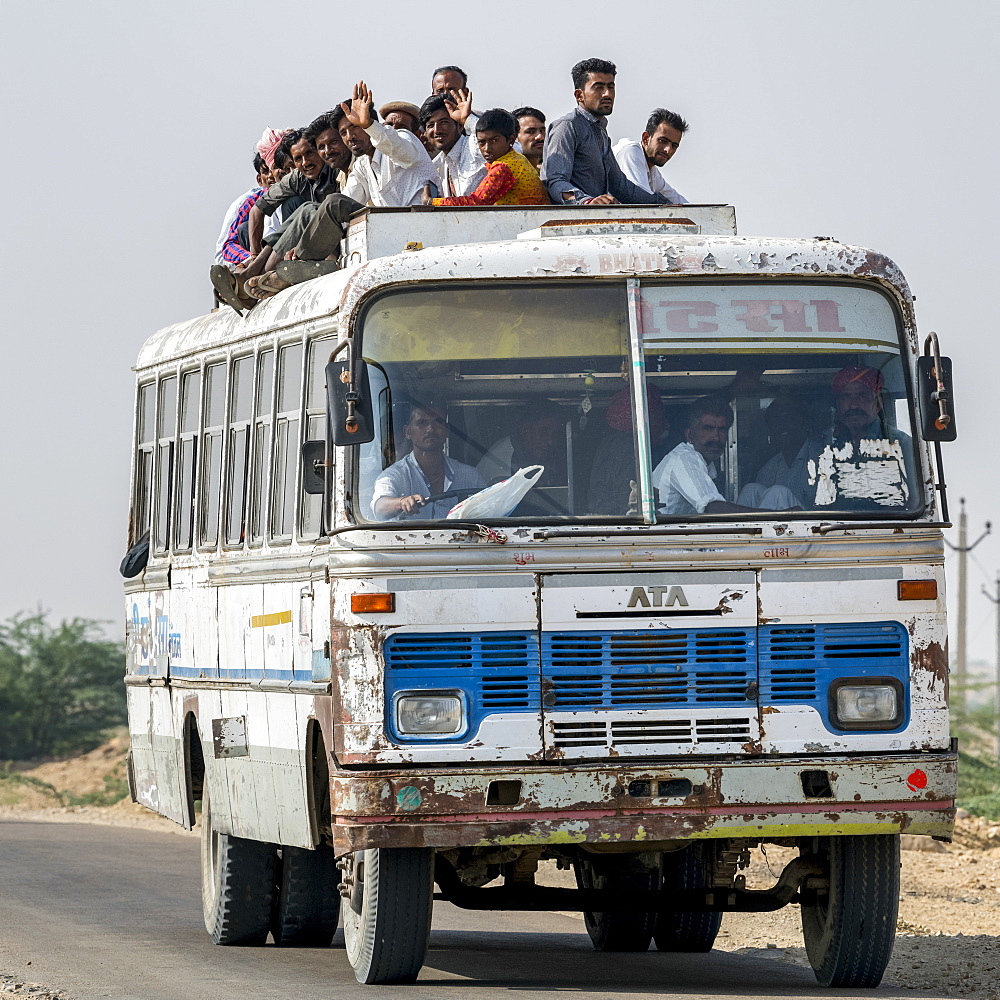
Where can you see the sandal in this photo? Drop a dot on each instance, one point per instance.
(296, 271)
(263, 286)
(230, 288)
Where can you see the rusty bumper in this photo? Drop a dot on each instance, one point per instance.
(598, 804)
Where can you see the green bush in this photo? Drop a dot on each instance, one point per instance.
(60, 686)
(979, 785)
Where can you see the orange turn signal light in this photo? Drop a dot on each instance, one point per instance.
(369, 604)
(917, 590)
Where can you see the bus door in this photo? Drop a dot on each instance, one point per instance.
(649, 664)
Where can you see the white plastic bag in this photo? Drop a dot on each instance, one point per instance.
(499, 499)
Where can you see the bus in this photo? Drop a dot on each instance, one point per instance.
(602, 536)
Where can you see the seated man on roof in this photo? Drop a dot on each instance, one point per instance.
(449, 128)
(510, 179)
(402, 115)
(531, 134)
(446, 79)
(311, 180)
(391, 166)
(686, 477)
(579, 165)
(294, 252)
(401, 491)
(230, 248)
(641, 161)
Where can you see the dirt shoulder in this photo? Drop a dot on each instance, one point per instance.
(947, 935)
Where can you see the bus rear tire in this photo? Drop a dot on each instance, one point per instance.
(387, 912)
(849, 929)
(686, 931)
(237, 884)
(307, 907)
(622, 931)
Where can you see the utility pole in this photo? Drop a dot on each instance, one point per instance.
(963, 549)
(996, 692)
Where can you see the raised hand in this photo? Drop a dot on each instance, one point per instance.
(359, 110)
(459, 105)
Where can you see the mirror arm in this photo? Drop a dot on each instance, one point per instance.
(940, 394)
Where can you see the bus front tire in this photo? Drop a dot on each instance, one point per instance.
(688, 930)
(849, 928)
(386, 914)
(307, 907)
(237, 884)
(618, 931)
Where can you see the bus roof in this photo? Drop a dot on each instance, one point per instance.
(566, 244)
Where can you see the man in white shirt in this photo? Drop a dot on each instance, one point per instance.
(641, 161)
(686, 476)
(450, 128)
(391, 167)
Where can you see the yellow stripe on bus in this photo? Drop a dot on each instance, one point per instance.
(278, 618)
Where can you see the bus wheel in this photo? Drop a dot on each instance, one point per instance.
(686, 931)
(386, 912)
(622, 931)
(307, 908)
(849, 927)
(237, 884)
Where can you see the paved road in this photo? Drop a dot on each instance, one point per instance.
(115, 912)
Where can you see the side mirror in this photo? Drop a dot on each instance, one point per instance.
(313, 465)
(935, 399)
(349, 407)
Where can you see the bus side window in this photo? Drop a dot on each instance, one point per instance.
(211, 452)
(184, 502)
(145, 436)
(240, 412)
(261, 445)
(311, 504)
(166, 428)
(286, 442)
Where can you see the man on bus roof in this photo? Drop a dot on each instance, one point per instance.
(641, 161)
(579, 165)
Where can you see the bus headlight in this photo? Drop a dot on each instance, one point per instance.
(429, 713)
(866, 703)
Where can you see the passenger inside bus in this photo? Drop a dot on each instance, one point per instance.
(787, 421)
(613, 471)
(686, 478)
(403, 489)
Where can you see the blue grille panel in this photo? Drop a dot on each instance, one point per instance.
(645, 669)
(798, 663)
(633, 669)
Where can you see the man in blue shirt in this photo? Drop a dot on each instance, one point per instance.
(579, 165)
(401, 490)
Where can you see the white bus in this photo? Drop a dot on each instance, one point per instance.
(640, 671)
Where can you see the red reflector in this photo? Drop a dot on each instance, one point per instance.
(917, 590)
(367, 604)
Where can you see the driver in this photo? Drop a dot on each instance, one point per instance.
(402, 489)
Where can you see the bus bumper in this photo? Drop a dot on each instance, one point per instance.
(602, 804)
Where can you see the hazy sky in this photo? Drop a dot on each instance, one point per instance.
(130, 127)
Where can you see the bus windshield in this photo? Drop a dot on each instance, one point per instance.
(749, 398)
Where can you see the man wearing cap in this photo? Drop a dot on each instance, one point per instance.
(401, 115)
